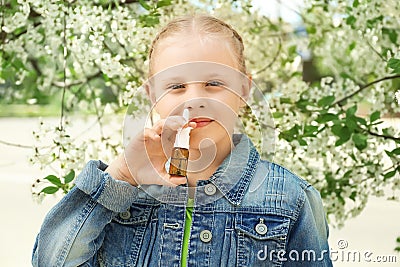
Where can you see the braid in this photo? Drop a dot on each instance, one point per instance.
(238, 38)
(206, 24)
(154, 42)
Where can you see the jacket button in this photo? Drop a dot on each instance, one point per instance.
(261, 228)
(210, 189)
(125, 215)
(205, 236)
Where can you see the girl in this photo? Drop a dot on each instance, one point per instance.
(231, 209)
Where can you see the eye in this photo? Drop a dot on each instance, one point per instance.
(214, 83)
(176, 86)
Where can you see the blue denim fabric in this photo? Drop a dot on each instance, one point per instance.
(105, 222)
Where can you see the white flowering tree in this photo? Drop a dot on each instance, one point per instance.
(330, 128)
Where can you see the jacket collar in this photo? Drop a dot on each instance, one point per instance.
(234, 175)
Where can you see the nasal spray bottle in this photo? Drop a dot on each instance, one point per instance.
(180, 153)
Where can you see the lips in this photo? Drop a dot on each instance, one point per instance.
(201, 122)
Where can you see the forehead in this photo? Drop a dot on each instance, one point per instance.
(177, 50)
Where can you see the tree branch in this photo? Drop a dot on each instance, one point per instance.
(376, 52)
(68, 85)
(15, 145)
(384, 136)
(115, 4)
(339, 102)
(273, 60)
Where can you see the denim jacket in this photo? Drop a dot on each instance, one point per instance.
(250, 212)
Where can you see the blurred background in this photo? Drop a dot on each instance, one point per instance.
(69, 78)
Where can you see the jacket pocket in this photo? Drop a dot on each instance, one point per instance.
(261, 239)
(124, 237)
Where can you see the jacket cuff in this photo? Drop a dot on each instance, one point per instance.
(113, 194)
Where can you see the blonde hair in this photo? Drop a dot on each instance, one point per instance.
(203, 24)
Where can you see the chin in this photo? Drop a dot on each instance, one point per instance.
(206, 140)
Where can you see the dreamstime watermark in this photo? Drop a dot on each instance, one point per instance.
(340, 254)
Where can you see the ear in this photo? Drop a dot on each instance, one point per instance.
(246, 86)
(149, 92)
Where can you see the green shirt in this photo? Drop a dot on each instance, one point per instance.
(186, 231)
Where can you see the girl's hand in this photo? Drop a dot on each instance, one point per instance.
(143, 161)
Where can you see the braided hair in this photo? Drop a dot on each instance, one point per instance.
(203, 24)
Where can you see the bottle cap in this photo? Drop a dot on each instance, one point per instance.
(182, 136)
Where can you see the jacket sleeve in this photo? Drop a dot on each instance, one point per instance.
(73, 230)
(308, 238)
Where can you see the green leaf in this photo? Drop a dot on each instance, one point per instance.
(375, 116)
(353, 195)
(285, 100)
(343, 133)
(163, 3)
(356, 3)
(310, 131)
(385, 131)
(303, 103)
(326, 101)
(389, 153)
(371, 22)
(53, 179)
(392, 33)
(352, 46)
(323, 118)
(394, 64)
(278, 114)
(69, 177)
(396, 151)
(353, 156)
(291, 134)
(311, 30)
(50, 190)
(302, 142)
(351, 20)
(150, 20)
(351, 123)
(347, 174)
(144, 4)
(336, 129)
(360, 140)
(389, 175)
(360, 120)
(351, 111)
(292, 49)
(17, 63)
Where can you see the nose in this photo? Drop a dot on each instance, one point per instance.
(195, 97)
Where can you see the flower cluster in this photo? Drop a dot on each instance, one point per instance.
(397, 96)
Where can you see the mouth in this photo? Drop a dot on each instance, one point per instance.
(201, 122)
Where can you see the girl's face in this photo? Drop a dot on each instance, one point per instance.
(202, 76)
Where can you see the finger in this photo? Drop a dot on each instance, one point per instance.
(172, 181)
(172, 123)
(192, 124)
(178, 180)
(150, 134)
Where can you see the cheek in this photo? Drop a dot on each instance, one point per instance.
(226, 114)
(166, 106)
(232, 101)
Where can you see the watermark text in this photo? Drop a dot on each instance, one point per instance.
(341, 254)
